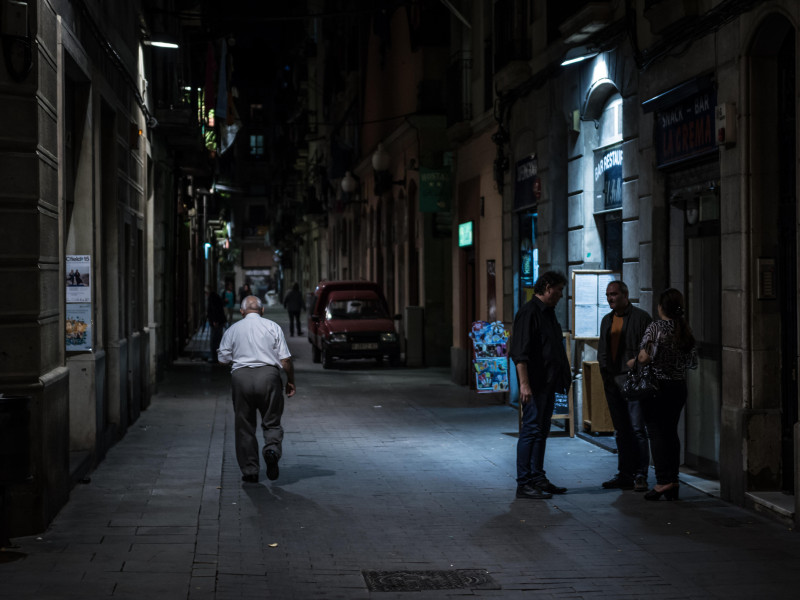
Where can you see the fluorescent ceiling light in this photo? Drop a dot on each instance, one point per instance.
(161, 44)
(579, 54)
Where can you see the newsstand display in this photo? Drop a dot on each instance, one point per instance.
(490, 356)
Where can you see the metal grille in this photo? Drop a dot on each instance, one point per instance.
(417, 581)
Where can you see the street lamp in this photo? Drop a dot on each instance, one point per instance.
(381, 160)
(349, 183)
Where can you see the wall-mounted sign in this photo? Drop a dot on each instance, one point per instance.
(434, 190)
(608, 178)
(686, 129)
(465, 234)
(528, 186)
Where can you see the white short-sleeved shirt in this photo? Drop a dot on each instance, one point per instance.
(253, 342)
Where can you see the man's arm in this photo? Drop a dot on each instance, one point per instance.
(288, 366)
(225, 350)
(525, 392)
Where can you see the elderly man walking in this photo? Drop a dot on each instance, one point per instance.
(257, 349)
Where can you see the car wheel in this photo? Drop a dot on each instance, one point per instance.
(327, 359)
(394, 360)
(379, 360)
(315, 354)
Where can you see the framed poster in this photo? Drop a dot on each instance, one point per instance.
(79, 326)
(589, 303)
(79, 280)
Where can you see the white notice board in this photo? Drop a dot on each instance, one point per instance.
(589, 304)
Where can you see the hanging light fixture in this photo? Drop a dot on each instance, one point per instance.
(381, 159)
(349, 183)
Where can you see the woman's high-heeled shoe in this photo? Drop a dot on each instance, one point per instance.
(670, 493)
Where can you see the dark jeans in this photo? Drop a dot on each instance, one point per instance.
(633, 450)
(533, 431)
(661, 416)
(294, 317)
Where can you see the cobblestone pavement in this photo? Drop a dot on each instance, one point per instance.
(392, 471)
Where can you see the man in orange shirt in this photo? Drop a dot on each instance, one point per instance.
(621, 330)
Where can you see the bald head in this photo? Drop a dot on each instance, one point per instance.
(251, 304)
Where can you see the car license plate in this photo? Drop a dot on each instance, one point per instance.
(372, 346)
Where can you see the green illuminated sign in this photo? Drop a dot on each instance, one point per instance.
(465, 234)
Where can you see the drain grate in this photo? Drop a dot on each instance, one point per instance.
(417, 581)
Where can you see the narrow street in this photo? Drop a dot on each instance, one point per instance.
(384, 470)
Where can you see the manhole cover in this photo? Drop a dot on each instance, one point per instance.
(417, 581)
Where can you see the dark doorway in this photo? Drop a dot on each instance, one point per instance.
(787, 256)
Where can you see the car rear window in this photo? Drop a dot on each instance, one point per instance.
(355, 308)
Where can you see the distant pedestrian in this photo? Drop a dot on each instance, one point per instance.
(244, 292)
(257, 350)
(669, 345)
(537, 349)
(229, 301)
(294, 304)
(621, 330)
(215, 314)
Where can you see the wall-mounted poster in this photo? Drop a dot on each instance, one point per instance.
(490, 356)
(79, 269)
(589, 303)
(79, 326)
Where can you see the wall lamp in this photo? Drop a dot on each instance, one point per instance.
(383, 178)
(350, 187)
(578, 54)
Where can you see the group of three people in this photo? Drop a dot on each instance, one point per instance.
(627, 334)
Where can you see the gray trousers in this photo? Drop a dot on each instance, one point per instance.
(257, 389)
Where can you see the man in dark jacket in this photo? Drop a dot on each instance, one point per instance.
(293, 303)
(621, 330)
(542, 366)
(215, 313)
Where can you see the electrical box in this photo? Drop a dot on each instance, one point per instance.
(726, 124)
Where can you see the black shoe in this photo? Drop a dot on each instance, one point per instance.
(619, 482)
(640, 483)
(670, 493)
(250, 478)
(272, 464)
(551, 489)
(532, 492)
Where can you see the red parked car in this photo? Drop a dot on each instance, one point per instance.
(350, 319)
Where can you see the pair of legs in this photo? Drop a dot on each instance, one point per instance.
(661, 416)
(294, 317)
(633, 450)
(257, 390)
(533, 431)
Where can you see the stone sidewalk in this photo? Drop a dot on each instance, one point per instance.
(392, 478)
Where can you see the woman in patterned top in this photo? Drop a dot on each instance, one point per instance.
(669, 345)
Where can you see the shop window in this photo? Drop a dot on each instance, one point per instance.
(257, 145)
